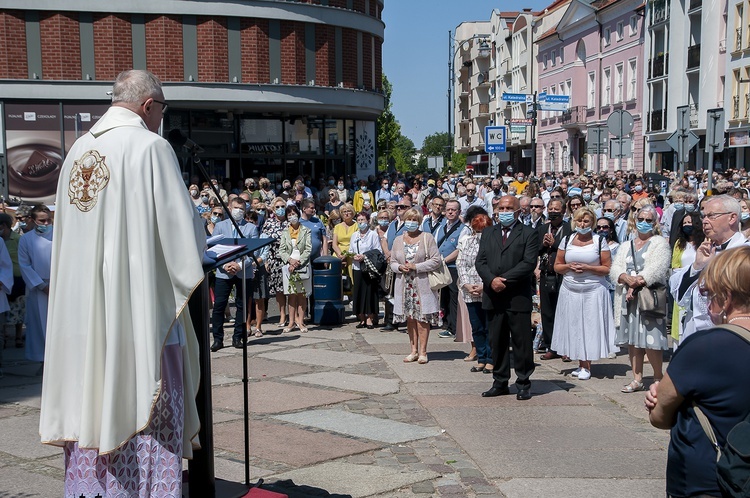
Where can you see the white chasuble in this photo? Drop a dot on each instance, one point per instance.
(126, 257)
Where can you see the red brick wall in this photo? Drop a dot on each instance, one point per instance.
(254, 52)
(164, 47)
(349, 44)
(13, 56)
(293, 53)
(367, 61)
(379, 63)
(325, 55)
(61, 46)
(337, 3)
(359, 5)
(113, 45)
(213, 57)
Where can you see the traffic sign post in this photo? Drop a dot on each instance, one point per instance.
(597, 143)
(620, 124)
(494, 138)
(714, 140)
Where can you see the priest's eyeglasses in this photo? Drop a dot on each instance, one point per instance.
(164, 106)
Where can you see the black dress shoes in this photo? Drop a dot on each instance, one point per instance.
(388, 328)
(237, 343)
(217, 345)
(523, 395)
(495, 391)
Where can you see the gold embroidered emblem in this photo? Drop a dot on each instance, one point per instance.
(88, 177)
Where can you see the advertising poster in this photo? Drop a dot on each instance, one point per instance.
(35, 150)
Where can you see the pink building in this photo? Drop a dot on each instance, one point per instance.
(595, 56)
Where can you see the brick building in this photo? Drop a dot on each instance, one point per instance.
(267, 87)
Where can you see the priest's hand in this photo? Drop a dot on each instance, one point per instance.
(498, 284)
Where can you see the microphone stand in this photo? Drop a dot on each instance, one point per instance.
(197, 161)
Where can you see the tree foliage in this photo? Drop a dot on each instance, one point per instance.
(437, 144)
(388, 129)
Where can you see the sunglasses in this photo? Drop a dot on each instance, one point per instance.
(608, 210)
(647, 220)
(400, 206)
(537, 207)
(602, 227)
(555, 197)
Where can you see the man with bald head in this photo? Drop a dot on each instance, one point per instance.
(506, 262)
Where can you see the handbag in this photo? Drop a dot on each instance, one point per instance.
(441, 277)
(303, 272)
(733, 459)
(652, 300)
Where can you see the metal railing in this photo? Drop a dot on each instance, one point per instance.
(658, 66)
(574, 116)
(738, 41)
(693, 115)
(694, 56)
(695, 4)
(747, 107)
(735, 107)
(659, 12)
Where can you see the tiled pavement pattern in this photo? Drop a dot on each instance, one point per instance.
(339, 410)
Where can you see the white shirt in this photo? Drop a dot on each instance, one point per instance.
(360, 243)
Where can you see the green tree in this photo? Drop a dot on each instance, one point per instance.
(437, 144)
(388, 129)
(403, 154)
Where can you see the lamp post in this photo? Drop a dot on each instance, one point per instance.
(552, 158)
(484, 51)
(566, 157)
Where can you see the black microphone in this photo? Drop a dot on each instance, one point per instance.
(176, 137)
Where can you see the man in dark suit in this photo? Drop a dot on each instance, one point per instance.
(550, 236)
(506, 262)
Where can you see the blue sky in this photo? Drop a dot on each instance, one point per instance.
(415, 56)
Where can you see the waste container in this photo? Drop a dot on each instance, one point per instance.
(327, 291)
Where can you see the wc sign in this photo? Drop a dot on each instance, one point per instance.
(494, 139)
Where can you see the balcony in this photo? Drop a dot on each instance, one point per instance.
(505, 66)
(695, 4)
(736, 107)
(658, 66)
(464, 117)
(657, 120)
(738, 39)
(694, 57)
(484, 109)
(659, 12)
(694, 115)
(573, 117)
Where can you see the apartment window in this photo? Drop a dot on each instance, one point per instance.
(562, 55)
(620, 30)
(592, 90)
(568, 87)
(545, 114)
(633, 25)
(546, 59)
(607, 37)
(553, 56)
(619, 80)
(607, 86)
(632, 79)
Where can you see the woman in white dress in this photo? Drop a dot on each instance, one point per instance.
(584, 323)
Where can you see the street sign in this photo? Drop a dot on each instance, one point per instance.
(620, 123)
(715, 129)
(683, 118)
(602, 149)
(689, 140)
(518, 128)
(550, 102)
(494, 138)
(515, 97)
(621, 148)
(598, 135)
(495, 161)
(522, 122)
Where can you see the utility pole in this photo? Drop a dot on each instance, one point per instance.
(532, 115)
(714, 141)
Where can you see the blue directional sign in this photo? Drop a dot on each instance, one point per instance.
(494, 139)
(514, 97)
(551, 102)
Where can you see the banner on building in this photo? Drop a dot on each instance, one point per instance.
(739, 138)
(364, 146)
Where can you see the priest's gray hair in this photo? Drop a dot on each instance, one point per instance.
(728, 203)
(134, 86)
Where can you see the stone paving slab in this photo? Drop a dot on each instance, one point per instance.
(20, 437)
(350, 382)
(222, 380)
(291, 340)
(361, 426)
(436, 369)
(555, 398)
(575, 488)
(376, 337)
(339, 333)
(233, 469)
(502, 463)
(220, 416)
(20, 483)
(274, 397)
(287, 444)
(257, 368)
(442, 349)
(522, 414)
(27, 395)
(321, 357)
(355, 480)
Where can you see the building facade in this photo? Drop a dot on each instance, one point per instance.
(594, 56)
(267, 87)
(737, 88)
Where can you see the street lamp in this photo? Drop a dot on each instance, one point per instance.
(484, 51)
(552, 158)
(566, 158)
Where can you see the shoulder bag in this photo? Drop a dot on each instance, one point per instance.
(652, 300)
(440, 277)
(733, 460)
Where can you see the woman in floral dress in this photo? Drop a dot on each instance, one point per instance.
(272, 228)
(413, 257)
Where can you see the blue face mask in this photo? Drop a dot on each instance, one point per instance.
(744, 217)
(215, 219)
(679, 206)
(364, 188)
(363, 225)
(644, 226)
(280, 212)
(609, 216)
(331, 182)
(43, 228)
(411, 225)
(383, 223)
(583, 231)
(21, 225)
(550, 189)
(506, 219)
(690, 208)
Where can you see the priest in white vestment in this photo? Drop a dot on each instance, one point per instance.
(34, 257)
(121, 365)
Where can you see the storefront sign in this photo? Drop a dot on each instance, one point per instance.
(739, 138)
(262, 148)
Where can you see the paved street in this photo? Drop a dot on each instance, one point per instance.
(339, 410)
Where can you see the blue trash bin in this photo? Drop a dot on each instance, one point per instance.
(328, 291)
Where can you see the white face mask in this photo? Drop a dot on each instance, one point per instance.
(238, 214)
